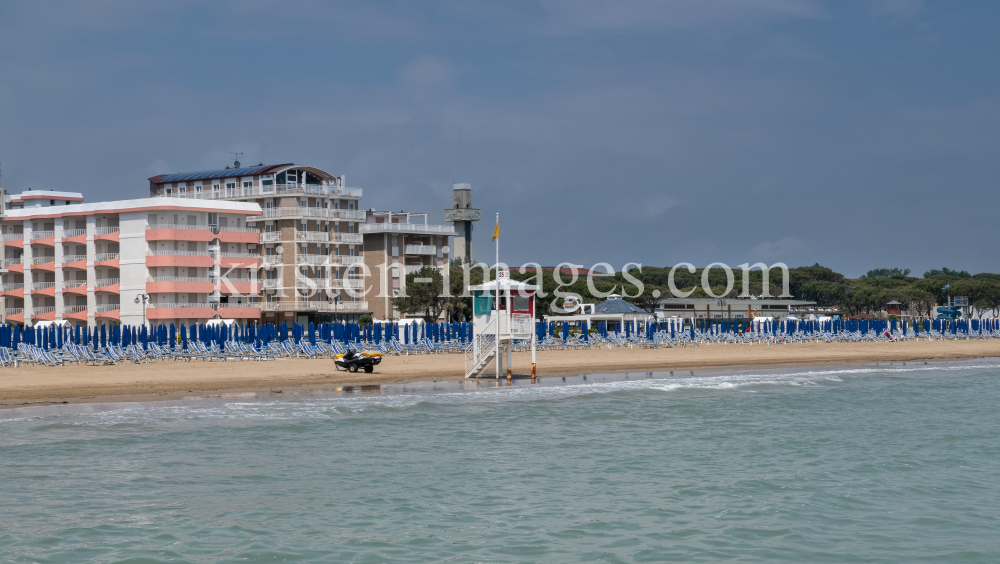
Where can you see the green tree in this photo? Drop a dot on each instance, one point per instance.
(886, 272)
(424, 294)
(946, 272)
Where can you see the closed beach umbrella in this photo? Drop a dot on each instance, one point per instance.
(184, 337)
(312, 334)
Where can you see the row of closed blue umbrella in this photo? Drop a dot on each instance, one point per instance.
(174, 336)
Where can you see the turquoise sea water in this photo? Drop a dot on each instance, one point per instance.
(883, 464)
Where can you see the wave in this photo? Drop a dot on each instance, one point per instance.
(406, 398)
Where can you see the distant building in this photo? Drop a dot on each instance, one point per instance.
(396, 244)
(462, 215)
(310, 243)
(711, 308)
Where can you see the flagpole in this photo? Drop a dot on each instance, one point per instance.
(496, 239)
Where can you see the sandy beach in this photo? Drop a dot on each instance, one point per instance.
(33, 385)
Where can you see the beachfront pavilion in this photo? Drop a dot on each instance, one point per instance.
(711, 308)
(614, 312)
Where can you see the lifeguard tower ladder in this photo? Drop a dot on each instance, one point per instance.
(503, 312)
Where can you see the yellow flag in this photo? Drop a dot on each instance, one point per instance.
(496, 231)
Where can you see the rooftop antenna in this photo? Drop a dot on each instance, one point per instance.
(237, 155)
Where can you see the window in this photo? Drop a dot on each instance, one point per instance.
(302, 203)
(230, 189)
(169, 191)
(350, 228)
(182, 191)
(215, 191)
(52, 202)
(483, 302)
(247, 187)
(197, 192)
(303, 250)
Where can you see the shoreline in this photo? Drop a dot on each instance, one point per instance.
(171, 381)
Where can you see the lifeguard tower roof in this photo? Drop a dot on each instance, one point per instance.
(512, 285)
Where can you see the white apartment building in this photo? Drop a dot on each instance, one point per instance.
(183, 260)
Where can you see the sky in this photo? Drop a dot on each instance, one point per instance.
(856, 134)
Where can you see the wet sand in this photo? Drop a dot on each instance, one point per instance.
(169, 380)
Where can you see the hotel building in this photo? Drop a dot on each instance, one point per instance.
(166, 260)
(311, 245)
(396, 244)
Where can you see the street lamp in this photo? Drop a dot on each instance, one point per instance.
(143, 298)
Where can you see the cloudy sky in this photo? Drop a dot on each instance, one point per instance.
(853, 133)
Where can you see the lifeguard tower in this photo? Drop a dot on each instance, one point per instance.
(503, 312)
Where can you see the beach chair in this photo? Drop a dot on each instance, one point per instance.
(95, 358)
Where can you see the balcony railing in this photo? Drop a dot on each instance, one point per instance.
(322, 306)
(240, 255)
(10, 286)
(179, 226)
(323, 190)
(240, 229)
(67, 233)
(103, 282)
(317, 260)
(235, 280)
(270, 283)
(346, 284)
(411, 268)
(421, 250)
(347, 238)
(178, 279)
(410, 227)
(104, 308)
(334, 284)
(73, 309)
(13, 311)
(105, 230)
(42, 310)
(168, 252)
(12, 236)
(13, 261)
(42, 260)
(270, 237)
(105, 256)
(73, 258)
(42, 285)
(271, 259)
(295, 212)
(67, 284)
(317, 236)
(344, 260)
(166, 305)
(42, 234)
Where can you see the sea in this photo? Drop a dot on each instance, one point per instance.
(877, 464)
